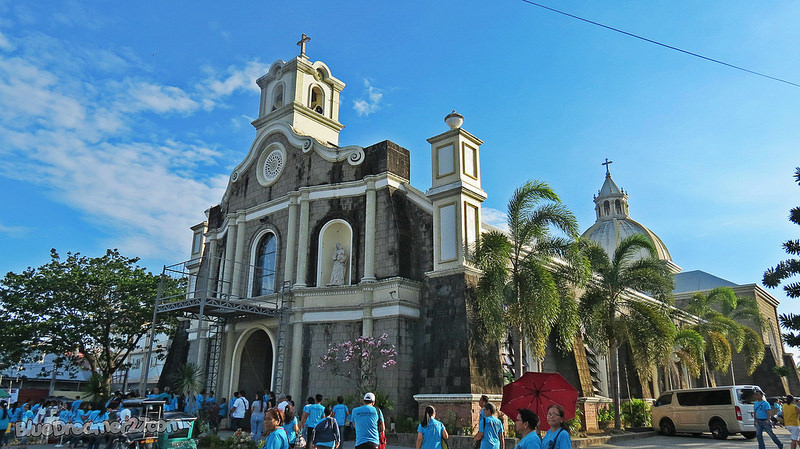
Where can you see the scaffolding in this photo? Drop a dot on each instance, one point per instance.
(197, 289)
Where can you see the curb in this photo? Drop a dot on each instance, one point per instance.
(598, 440)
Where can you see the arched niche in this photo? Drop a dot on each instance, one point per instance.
(335, 232)
(277, 96)
(316, 99)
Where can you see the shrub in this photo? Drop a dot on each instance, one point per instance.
(636, 413)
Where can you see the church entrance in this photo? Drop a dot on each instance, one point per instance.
(255, 365)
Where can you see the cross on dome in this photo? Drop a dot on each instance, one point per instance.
(607, 163)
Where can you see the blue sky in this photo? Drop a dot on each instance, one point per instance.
(121, 121)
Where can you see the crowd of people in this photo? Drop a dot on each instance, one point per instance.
(278, 423)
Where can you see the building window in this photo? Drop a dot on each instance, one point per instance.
(264, 274)
(607, 207)
(617, 207)
(315, 102)
(197, 243)
(277, 98)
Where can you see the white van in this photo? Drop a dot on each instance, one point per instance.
(719, 410)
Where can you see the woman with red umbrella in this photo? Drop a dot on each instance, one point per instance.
(558, 435)
(525, 425)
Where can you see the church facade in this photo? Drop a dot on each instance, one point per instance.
(326, 243)
(313, 244)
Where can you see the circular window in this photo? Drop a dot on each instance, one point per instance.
(270, 165)
(273, 165)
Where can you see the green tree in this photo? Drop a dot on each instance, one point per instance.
(786, 271)
(87, 311)
(723, 328)
(688, 350)
(528, 273)
(614, 314)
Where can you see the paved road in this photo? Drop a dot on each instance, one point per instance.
(704, 441)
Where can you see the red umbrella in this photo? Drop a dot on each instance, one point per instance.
(537, 391)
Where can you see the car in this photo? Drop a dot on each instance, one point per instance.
(723, 411)
(153, 428)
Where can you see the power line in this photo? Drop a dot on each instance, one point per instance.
(660, 44)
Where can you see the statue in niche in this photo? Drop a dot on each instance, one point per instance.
(339, 268)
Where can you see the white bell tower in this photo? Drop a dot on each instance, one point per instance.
(302, 94)
(456, 194)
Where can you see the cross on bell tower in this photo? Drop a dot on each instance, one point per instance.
(302, 44)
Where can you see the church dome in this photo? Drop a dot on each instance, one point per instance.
(614, 224)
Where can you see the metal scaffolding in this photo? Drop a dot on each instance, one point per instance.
(207, 297)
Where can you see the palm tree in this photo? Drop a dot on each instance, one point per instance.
(724, 331)
(525, 289)
(688, 350)
(613, 314)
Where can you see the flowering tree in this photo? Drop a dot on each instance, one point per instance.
(359, 360)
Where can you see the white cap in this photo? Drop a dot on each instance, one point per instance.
(369, 397)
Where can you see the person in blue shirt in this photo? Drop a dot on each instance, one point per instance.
(430, 431)
(558, 435)
(762, 410)
(290, 424)
(277, 438)
(369, 423)
(493, 436)
(481, 418)
(223, 411)
(26, 422)
(326, 432)
(313, 413)
(341, 412)
(5, 420)
(525, 425)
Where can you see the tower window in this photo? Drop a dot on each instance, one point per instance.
(264, 275)
(277, 97)
(315, 100)
(618, 207)
(607, 208)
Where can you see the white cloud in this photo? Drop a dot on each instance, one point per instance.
(86, 141)
(494, 217)
(159, 99)
(366, 106)
(5, 44)
(13, 231)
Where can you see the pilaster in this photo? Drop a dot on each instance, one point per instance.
(230, 249)
(302, 240)
(369, 238)
(238, 260)
(291, 238)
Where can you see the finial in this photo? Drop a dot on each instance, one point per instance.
(607, 163)
(302, 44)
(454, 120)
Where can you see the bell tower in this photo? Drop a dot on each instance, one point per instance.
(303, 95)
(456, 194)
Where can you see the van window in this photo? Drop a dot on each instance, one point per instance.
(746, 395)
(664, 399)
(711, 397)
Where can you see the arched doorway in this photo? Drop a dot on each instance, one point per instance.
(255, 365)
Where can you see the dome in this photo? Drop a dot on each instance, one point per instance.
(614, 224)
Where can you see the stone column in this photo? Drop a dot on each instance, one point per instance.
(238, 260)
(366, 320)
(291, 239)
(296, 369)
(302, 240)
(211, 262)
(230, 249)
(369, 233)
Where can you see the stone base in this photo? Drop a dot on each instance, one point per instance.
(589, 407)
(459, 411)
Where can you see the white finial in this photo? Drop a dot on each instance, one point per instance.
(454, 120)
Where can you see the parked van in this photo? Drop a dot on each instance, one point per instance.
(719, 410)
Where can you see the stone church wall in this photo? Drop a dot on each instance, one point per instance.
(453, 353)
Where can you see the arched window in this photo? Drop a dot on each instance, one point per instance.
(277, 97)
(264, 272)
(617, 207)
(315, 100)
(607, 208)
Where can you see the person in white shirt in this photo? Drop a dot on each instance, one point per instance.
(238, 411)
